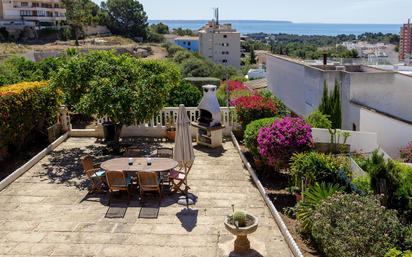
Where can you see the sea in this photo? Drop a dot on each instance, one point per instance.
(275, 27)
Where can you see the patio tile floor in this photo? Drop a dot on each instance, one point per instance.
(46, 212)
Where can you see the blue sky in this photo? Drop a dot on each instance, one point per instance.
(325, 11)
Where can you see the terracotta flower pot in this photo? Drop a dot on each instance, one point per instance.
(298, 197)
(242, 243)
(258, 163)
(171, 134)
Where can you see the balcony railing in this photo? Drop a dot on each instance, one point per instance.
(158, 124)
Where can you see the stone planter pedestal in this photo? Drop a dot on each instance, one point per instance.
(242, 243)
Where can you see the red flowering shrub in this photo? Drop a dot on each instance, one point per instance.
(254, 107)
(278, 142)
(236, 85)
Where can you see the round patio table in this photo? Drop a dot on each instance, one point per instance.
(139, 164)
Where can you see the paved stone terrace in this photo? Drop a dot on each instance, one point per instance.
(46, 212)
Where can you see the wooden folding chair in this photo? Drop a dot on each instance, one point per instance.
(94, 173)
(133, 151)
(149, 182)
(164, 152)
(178, 178)
(117, 181)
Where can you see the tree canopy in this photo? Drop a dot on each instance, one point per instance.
(126, 17)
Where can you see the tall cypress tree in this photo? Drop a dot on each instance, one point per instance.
(336, 108)
(324, 103)
(252, 55)
(331, 105)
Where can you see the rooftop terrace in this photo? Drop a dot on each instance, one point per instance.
(48, 212)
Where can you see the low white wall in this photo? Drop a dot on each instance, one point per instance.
(358, 141)
(392, 134)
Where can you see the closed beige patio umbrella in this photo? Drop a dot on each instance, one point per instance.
(183, 152)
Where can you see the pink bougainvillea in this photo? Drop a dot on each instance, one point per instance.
(254, 107)
(278, 142)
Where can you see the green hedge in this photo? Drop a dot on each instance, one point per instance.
(252, 131)
(201, 81)
(25, 109)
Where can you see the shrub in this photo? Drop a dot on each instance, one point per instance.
(319, 120)
(252, 132)
(394, 252)
(316, 167)
(25, 109)
(392, 179)
(353, 225)
(194, 67)
(278, 142)
(181, 56)
(185, 93)
(311, 199)
(250, 108)
(406, 153)
(363, 183)
(201, 81)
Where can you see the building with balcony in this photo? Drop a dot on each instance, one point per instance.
(405, 46)
(41, 12)
(220, 43)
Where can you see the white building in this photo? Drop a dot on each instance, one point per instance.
(220, 44)
(41, 11)
(373, 100)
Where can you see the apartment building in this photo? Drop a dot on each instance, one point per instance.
(220, 43)
(42, 12)
(373, 100)
(405, 47)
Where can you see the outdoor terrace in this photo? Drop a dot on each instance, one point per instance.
(48, 212)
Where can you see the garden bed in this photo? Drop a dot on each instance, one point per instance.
(276, 187)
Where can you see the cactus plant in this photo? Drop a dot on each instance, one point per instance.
(239, 218)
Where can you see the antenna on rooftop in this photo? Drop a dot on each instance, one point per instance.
(216, 15)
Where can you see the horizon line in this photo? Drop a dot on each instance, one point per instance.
(280, 21)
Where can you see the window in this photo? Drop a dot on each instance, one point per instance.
(24, 4)
(224, 36)
(25, 13)
(354, 127)
(224, 61)
(225, 44)
(35, 5)
(49, 14)
(189, 43)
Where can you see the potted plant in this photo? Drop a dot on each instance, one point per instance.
(241, 224)
(297, 192)
(170, 130)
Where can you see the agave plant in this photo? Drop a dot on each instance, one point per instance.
(311, 199)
